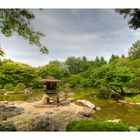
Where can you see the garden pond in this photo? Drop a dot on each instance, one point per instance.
(110, 109)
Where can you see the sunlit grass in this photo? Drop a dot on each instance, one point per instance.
(96, 125)
(133, 99)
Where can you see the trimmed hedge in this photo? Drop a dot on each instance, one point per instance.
(96, 126)
(8, 87)
(138, 128)
(20, 87)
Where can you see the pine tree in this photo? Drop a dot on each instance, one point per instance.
(123, 56)
(97, 62)
(113, 57)
(102, 61)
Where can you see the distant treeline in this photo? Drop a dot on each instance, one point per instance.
(119, 74)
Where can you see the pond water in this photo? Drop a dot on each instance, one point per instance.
(129, 114)
(110, 109)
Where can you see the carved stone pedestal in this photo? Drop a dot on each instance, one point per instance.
(46, 99)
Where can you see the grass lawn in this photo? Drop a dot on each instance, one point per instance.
(36, 94)
(96, 125)
(133, 99)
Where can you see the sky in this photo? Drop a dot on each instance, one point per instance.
(72, 32)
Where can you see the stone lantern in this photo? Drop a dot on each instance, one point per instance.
(51, 91)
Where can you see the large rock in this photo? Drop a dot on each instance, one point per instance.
(2, 117)
(31, 122)
(132, 128)
(2, 105)
(115, 121)
(65, 102)
(7, 126)
(11, 111)
(86, 113)
(98, 108)
(85, 103)
(45, 99)
(70, 99)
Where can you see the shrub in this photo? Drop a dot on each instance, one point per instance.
(19, 87)
(138, 128)
(8, 87)
(86, 82)
(36, 84)
(96, 126)
(104, 93)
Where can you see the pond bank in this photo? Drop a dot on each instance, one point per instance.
(37, 117)
(129, 102)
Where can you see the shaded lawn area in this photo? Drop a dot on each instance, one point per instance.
(36, 95)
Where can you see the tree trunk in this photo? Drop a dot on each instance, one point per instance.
(122, 91)
(116, 90)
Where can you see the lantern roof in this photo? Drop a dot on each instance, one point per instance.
(51, 80)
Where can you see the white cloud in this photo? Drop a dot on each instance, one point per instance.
(95, 32)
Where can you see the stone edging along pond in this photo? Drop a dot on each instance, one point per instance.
(128, 102)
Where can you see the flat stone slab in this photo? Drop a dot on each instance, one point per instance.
(85, 103)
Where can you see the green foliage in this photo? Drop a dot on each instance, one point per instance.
(73, 65)
(120, 74)
(51, 70)
(118, 78)
(8, 87)
(112, 58)
(97, 62)
(56, 63)
(19, 20)
(79, 81)
(113, 77)
(85, 93)
(102, 61)
(86, 82)
(134, 65)
(134, 51)
(36, 83)
(138, 128)
(74, 80)
(123, 56)
(20, 87)
(133, 17)
(76, 65)
(96, 125)
(85, 64)
(1, 52)
(14, 73)
(65, 87)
